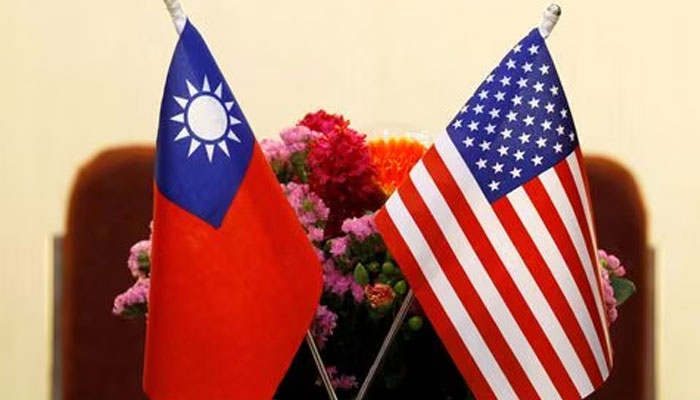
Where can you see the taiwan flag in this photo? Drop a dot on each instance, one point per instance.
(235, 282)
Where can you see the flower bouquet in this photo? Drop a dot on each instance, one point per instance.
(335, 179)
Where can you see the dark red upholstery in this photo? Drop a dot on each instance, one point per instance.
(110, 208)
(621, 226)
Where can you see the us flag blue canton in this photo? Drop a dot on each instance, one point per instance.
(493, 229)
(518, 122)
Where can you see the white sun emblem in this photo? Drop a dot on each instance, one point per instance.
(206, 119)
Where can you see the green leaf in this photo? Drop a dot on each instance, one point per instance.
(373, 266)
(135, 311)
(298, 160)
(388, 268)
(400, 287)
(415, 323)
(144, 261)
(360, 274)
(624, 288)
(307, 205)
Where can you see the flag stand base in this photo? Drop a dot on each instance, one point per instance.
(378, 360)
(386, 344)
(322, 372)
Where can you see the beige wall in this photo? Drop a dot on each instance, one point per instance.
(77, 76)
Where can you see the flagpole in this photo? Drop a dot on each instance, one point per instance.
(322, 372)
(550, 17)
(549, 20)
(386, 344)
(177, 14)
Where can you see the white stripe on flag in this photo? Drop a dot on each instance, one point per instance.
(535, 227)
(482, 283)
(577, 171)
(445, 293)
(513, 262)
(554, 189)
(575, 168)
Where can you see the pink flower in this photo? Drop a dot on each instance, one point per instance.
(609, 297)
(319, 254)
(612, 263)
(339, 246)
(324, 324)
(134, 300)
(139, 259)
(612, 269)
(339, 284)
(310, 209)
(315, 234)
(297, 138)
(275, 151)
(358, 293)
(379, 295)
(361, 227)
(339, 381)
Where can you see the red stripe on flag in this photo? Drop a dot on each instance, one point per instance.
(466, 292)
(584, 175)
(557, 230)
(510, 293)
(567, 181)
(587, 190)
(587, 193)
(440, 321)
(547, 283)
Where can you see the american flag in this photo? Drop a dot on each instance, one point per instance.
(493, 229)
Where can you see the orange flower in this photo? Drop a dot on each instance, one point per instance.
(393, 160)
(379, 295)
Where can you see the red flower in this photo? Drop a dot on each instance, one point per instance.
(343, 176)
(379, 295)
(321, 121)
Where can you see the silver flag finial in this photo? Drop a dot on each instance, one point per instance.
(550, 16)
(177, 14)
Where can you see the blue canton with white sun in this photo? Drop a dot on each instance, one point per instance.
(518, 123)
(204, 142)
